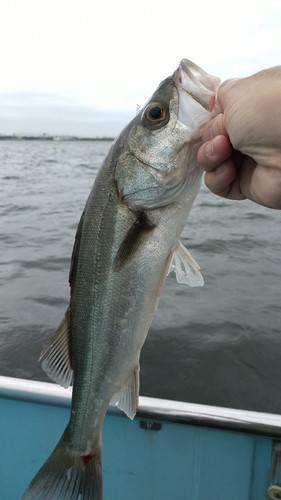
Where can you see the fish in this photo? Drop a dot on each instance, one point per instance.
(127, 241)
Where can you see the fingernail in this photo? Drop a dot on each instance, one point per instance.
(209, 148)
(220, 169)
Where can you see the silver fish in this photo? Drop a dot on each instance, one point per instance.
(126, 243)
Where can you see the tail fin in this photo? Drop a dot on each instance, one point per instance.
(66, 475)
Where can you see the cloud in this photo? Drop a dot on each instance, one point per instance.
(112, 55)
(55, 113)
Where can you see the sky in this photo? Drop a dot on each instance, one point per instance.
(81, 67)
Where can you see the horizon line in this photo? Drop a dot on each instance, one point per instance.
(53, 137)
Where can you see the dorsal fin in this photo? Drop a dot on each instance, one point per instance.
(75, 254)
(55, 357)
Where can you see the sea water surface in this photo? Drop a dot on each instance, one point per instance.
(219, 344)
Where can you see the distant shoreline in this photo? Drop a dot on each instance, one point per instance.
(46, 137)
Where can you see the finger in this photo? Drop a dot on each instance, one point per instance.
(221, 180)
(261, 184)
(214, 127)
(213, 153)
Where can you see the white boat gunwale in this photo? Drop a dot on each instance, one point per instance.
(251, 422)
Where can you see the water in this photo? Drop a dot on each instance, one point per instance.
(217, 345)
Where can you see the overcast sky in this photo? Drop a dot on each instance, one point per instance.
(82, 66)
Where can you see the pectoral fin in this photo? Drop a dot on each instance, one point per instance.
(55, 357)
(185, 267)
(136, 235)
(128, 398)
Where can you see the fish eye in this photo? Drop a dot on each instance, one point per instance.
(155, 114)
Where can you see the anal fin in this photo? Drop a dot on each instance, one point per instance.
(55, 357)
(185, 267)
(127, 398)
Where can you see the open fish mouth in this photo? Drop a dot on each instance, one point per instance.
(197, 83)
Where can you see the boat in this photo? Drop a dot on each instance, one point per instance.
(171, 451)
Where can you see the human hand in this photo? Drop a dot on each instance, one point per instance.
(241, 153)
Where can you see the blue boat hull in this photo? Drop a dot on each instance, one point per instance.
(190, 455)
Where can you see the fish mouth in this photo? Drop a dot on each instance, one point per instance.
(196, 82)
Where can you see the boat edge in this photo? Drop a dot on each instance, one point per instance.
(251, 422)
